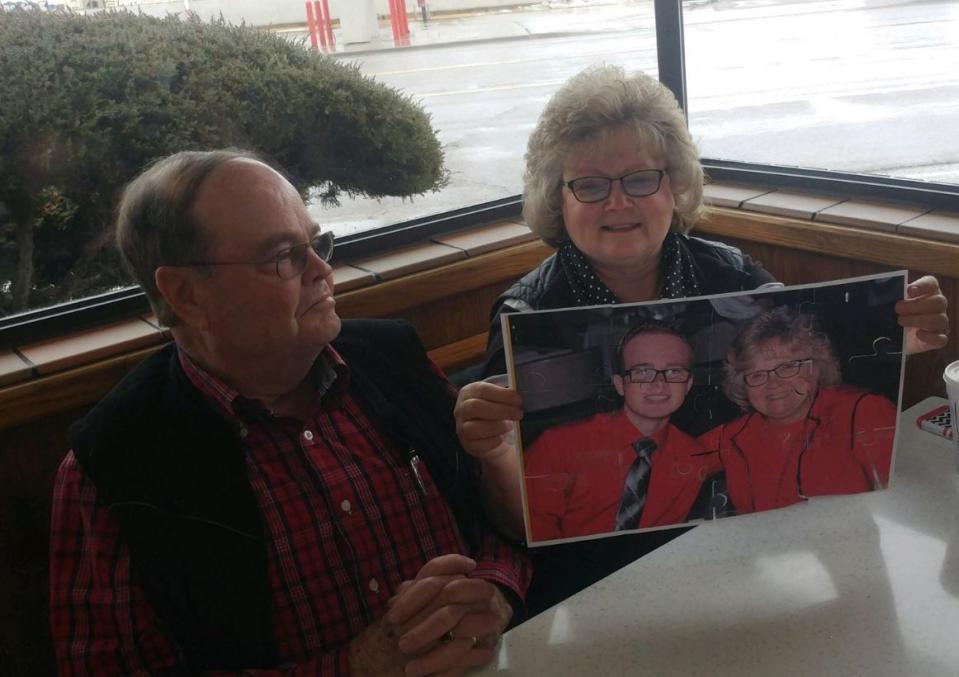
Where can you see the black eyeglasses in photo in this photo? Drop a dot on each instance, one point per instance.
(648, 374)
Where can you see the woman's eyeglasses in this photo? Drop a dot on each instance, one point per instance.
(789, 369)
(589, 189)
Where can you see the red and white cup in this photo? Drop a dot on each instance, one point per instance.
(951, 376)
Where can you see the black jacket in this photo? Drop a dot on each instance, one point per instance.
(719, 268)
(172, 470)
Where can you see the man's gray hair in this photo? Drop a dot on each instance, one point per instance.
(591, 104)
(793, 328)
(155, 226)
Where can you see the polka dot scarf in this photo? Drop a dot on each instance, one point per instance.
(676, 267)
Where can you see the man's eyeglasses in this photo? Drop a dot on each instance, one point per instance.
(641, 183)
(789, 369)
(290, 262)
(648, 374)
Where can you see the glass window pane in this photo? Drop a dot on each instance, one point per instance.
(860, 86)
(484, 79)
(483, 76)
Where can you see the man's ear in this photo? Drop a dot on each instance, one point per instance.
(689, 384)
(178, 287)
(618, 384)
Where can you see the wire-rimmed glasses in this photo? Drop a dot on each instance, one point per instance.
(290, 262)
(789, 369)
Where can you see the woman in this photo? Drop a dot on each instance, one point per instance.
(803, 434)
(613, 181)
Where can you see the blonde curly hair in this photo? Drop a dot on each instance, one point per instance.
(595, 102)
(793, 328)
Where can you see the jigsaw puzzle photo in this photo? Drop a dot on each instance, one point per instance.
(646, 416)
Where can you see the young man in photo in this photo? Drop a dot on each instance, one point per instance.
(627, 469)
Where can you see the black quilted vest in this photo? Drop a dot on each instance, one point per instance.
(172, 471)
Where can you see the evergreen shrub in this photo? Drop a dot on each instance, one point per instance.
(87, 101)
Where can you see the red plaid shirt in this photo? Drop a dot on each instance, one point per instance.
(346, 524)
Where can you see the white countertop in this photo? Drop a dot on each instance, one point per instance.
(847, 585)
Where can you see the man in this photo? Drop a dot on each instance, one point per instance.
(269, 492)
(627, 469)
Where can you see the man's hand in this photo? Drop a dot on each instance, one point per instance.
(923, 314)
(447, 623)
(414, 596)
(374, 652)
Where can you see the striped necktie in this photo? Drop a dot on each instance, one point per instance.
(636, 486)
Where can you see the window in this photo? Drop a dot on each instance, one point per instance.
(854, 96)
(486, 87)
(856, 87)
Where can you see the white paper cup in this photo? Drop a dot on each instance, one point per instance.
(951, 376)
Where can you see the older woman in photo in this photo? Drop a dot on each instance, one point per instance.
(804, 433)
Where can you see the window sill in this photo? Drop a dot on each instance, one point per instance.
(893, 235)
(43, 378)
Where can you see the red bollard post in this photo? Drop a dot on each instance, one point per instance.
(320, 23)
(329, 25)
(311, 24)
(394, 11)
(404, 25)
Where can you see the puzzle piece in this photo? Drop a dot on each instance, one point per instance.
(874, 445)
(880, 348)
